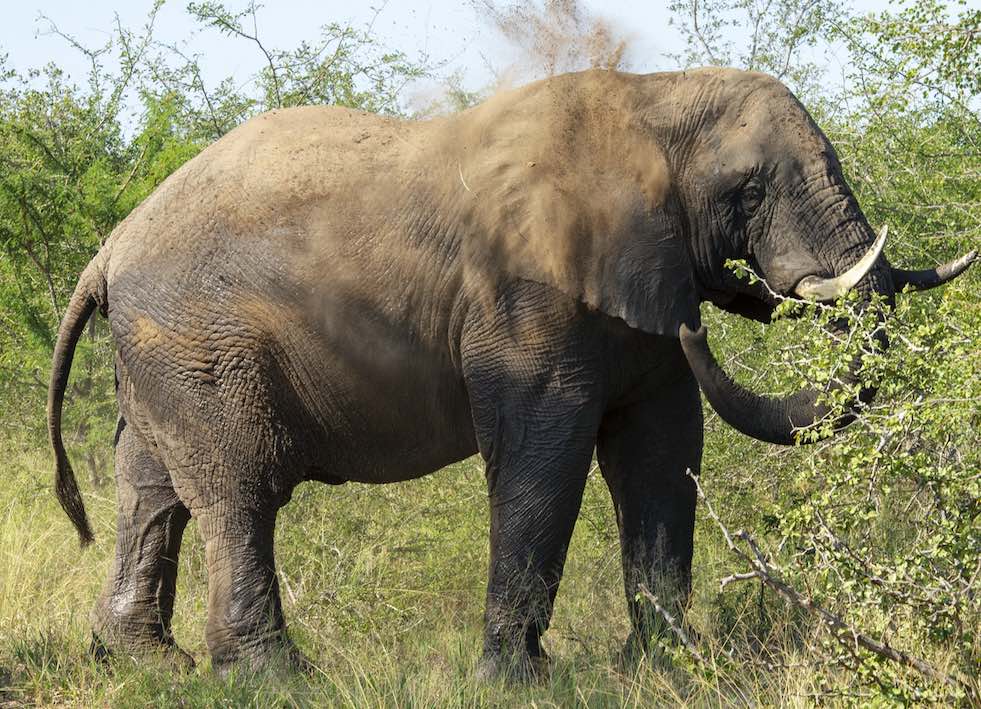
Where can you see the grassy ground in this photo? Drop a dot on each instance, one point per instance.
(383, 588)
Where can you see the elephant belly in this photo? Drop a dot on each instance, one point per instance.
(340, 405)
(389, 413)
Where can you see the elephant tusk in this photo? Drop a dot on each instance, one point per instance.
(829, 289)
(932, 277)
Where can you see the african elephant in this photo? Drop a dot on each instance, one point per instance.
(325, 294)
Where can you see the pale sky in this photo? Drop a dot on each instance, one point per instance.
(448, 30)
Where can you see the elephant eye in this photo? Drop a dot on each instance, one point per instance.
(752, 197)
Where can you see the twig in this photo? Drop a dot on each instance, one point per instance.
(850, 638)
(131, 175)
(465, 185)
(222, 23)
(191, 64)
(672, 623)
(732, 578)
(698, 34)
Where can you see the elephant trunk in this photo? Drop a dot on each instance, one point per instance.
(770, 419)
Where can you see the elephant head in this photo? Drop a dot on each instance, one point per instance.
(771, 190)
(634, 198)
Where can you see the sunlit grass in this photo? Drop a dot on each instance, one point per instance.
(383, 588)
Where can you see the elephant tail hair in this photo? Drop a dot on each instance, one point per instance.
(89, 294)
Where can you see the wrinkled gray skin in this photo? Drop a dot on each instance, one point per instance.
(336, 296)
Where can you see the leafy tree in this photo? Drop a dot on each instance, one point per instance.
(777, 33)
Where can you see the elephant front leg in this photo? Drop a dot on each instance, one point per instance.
(645, 451)
(536, 389)
(537, 451)
(533, 511)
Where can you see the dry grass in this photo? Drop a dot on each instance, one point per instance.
(383, 588)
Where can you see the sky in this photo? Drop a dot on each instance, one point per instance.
(448, 31)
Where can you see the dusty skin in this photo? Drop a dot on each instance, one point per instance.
(336, 296)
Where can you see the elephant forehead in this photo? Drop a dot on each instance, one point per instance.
(778, 124)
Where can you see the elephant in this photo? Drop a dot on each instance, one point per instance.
(331, 295)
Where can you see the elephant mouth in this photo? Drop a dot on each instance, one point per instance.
(775, 419)
(755, 306)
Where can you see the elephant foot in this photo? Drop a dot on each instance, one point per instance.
(520, 669)
(279, 657)
(134, 631)
(167, 653)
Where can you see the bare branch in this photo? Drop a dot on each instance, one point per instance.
(231, 28)
(698, 34)
(845, 634)
(129, 178)
(672, 623)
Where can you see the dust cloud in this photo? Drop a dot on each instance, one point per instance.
(552, 37)
(541, 38)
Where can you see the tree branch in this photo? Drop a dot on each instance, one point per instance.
(846, 635)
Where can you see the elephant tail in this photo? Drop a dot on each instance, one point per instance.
(89, 294)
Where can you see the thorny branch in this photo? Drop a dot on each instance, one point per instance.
(848, 637)
(196, 84)
(234, 29)
(671, 621)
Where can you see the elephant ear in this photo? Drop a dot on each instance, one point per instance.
(649, 284)
(594, 217)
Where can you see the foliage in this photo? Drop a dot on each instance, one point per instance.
(879, 525)
(778, 34)
(922, 50)
(69, 175)
(342, 66)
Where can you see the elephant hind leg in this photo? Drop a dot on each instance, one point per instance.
(134, 611)
(238, 454)
(246, 627)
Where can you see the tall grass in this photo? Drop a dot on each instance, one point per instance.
(383, 588)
